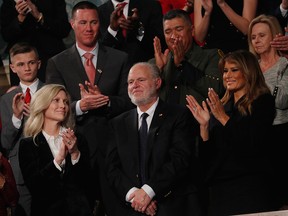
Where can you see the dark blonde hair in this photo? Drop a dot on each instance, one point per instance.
(39, 104)
(273, 25)
(255, 82)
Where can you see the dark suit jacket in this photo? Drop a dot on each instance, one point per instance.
(67, 69)
(10, 136)
(47, 38)
(150, 14)
(55, 192)
(168, 162)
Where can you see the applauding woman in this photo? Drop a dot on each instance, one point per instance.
(236, 131)
(262, 30)
(53, 160)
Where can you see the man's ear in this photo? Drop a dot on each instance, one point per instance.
(72, 23)
(39, 64)
(12, 68)
(158, 83)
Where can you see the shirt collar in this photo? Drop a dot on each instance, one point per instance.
(33, 87)
(49, 137)
(94, 51)
(150, 111)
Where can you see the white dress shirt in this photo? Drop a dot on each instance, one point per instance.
(33, 88)
(149, 118)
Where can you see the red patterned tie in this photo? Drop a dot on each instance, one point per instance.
(89, 67)
(123, 4)
(27, 97)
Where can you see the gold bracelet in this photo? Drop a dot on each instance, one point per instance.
(40, 18)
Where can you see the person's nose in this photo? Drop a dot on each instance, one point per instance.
(228, 74)
(61, 104)
(174, 35)
(89, 27)
(27, 66)
(135, 84)
(256, 39)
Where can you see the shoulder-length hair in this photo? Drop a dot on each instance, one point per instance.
(273, 25)
(255, 82)
(39, 104)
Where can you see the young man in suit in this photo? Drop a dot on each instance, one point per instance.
(130, 26)
(152, 173)
(45, 27)
(100, 96)
(14, 110)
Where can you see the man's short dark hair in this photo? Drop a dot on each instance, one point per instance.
(177, 13)
(22, 47)
(84, 5)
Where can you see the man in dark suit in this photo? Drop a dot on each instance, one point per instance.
(103, 99)
(14, 111)
(155, 175)
(141, 20)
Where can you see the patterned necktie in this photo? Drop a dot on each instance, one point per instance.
(143, 144)
(27, 97)
(123, 4)
(89, 67)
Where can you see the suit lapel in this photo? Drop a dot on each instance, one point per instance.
(131, 123)
(158, 118)
(132, 4)
(77, 65)
(40, 85)
(44, 149)
(101, 62)
(110, 7)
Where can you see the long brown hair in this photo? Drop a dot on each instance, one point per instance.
(255, 82)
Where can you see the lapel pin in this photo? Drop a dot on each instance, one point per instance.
(99, 71)
(160, 114)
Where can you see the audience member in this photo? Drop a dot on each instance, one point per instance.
(223, 24)
(262, 30)
(54, 161)
(279, 9)
(8, 191)
(44, 27)
(130, 26)
(106, 94)
(236, 131)
(185, 67)
(149, 163)
(15, 108)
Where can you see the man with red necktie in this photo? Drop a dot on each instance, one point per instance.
(14, 110)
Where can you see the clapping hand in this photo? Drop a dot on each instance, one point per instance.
(216, 107)
(201, 114)
(19, 107)
(160, 58)
(92, 98)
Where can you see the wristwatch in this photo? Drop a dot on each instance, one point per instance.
(141, 29)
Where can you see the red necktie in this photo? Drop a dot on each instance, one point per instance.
(27, 97)
(123, 4)
(89, 67)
